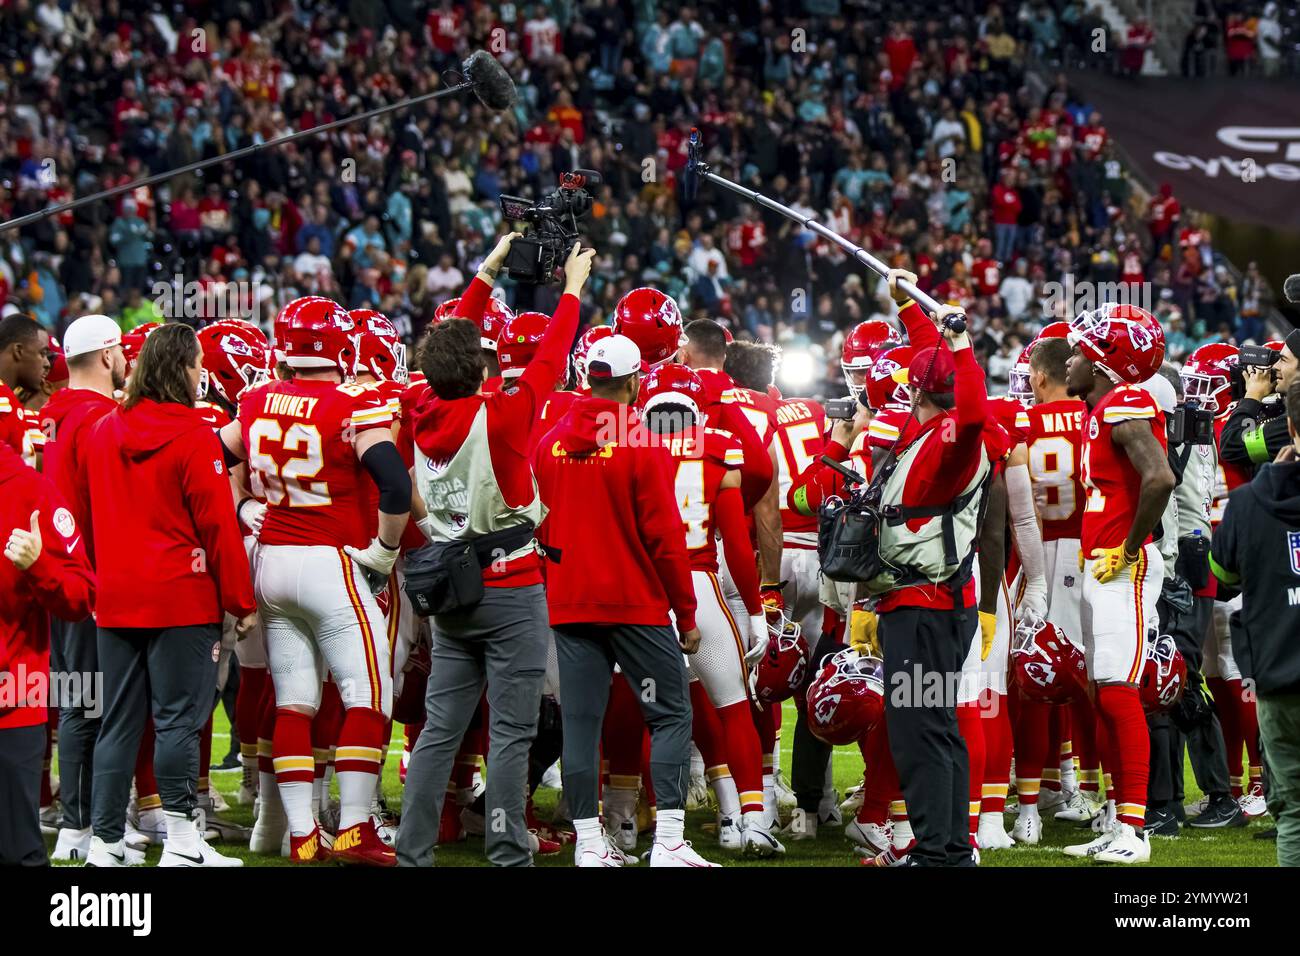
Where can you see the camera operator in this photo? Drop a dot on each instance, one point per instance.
(1186, 608)
(1254, 433)
(1257, 550)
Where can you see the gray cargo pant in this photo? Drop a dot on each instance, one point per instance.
(500, 641)
(651, 660)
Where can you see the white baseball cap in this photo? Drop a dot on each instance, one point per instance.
(90, 333)
(613, 357)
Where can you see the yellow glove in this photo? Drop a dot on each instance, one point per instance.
(1109, 562)
(988, 629)
(863, 636)
(1081, 559)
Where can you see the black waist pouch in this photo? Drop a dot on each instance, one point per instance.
(1194, 560)
(447, 576)
(848, 540)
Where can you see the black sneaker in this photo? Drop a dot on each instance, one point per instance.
(232, 762)
(1161, 821)
(1221, 812)
(1269, 834)
(1178, 810)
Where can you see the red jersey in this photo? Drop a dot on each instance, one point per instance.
(214, 415)
(13, 423)
(299, 435)
(697, 477)
(1230, 475)
(729, 415)
(1009, 413)
(1110, 478)
(1053, 437)
(987, 276)
(800, 436)
(759, 407)
(886, 426)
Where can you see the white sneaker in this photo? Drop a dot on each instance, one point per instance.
(990, 835)
(246, 795)
(873, 836)
(217, 801)
(1049, 801)
(681, 855)
(1092, 848)
(149, 827)
(1129, 845)
(1029, 825)
(697, 795)
(1252, 802)
(1077, 808)
(552, 778)
(852, 801)
(729, 835)
(785, 798)
(198, 854)
(624, 858)
(101, 854)
(1197, 808)
(72, 845)
(757, 838)
(596, 853)
(828, 811)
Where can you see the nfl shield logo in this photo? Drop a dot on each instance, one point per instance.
(1293, 542)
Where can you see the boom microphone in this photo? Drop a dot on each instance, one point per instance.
(1291, 289)
(492, 84)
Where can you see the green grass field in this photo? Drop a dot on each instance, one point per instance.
(1233, 847)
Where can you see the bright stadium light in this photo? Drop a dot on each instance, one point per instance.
(798, 371)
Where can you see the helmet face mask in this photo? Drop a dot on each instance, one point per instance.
(1206, 376)
(1125, 342)
(780, 671)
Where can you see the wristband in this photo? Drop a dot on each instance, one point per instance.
(1256, 446)
(385, 545)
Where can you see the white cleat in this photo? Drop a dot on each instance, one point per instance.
(1076, 809)
(1028, 828)
(785, 798)
(246, 795)
(757, 837)
(1049, 801)
(197, 854)
(990, 835)
(697, 795)
(681, 855)
(72, 845)
(729, 835)
(1252, 802)
(1092, 848)
(101, 854)
(625, 858)
(552, 779)
(852, 801)
(597, 853)
(872, 836)
(1129, 845)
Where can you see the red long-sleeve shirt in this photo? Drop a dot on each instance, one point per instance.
(168, 551)
(613, 521)
(66, 418)
(59, 582)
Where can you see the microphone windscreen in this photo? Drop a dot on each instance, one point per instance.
(1291, 289)
(492, 84)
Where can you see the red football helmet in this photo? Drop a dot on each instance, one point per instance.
(781, 669)
(863, 346)
(651, 320)
(585, 341)
(1018, 380)
(495, 315)
(882, 390)
(381, 351)
(847, 698)
(133, 342)
(320, 334)
(672, 384)
(236, 357)
(1126, 342)
(1046, 665)
(1164, 675)
(287, 312)
(518, 342)
(58, 363)
(1207, 375)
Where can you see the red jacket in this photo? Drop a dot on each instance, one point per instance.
(613, 521)
(167, 546)
(60, 582)
(65, 418)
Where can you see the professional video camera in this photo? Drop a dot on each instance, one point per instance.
(1253, 356)
(1190, 424)
(553, 228)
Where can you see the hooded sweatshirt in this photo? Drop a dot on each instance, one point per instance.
(167, 546)
(59, 582)
(65, 418)
(1256, 549)
(612, 530)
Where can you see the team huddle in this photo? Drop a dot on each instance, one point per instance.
(318, 426)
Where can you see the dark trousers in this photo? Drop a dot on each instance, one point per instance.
(22, 756)
(169, 672)
(924, 650)
(74, 650)
(810, 754)
(651, 660)
(501, 643)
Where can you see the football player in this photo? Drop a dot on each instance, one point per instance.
(311, 443)
(24, 363)
(1128, 481)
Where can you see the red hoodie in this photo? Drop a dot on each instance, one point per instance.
(612, 520)
(59, 582)
(65, 418)
(168, 551)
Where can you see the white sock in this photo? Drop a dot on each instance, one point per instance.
(589, 830)
(990, 820)
(182, 835)
(902, 834)
(1027, 810)
(356, 794)
(724, 788)
(296, 798)
(1069, 780)
(670, 827)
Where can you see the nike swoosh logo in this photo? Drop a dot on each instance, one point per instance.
(75, 542)
(196, 860)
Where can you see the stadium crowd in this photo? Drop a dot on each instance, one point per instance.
(912, 137)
